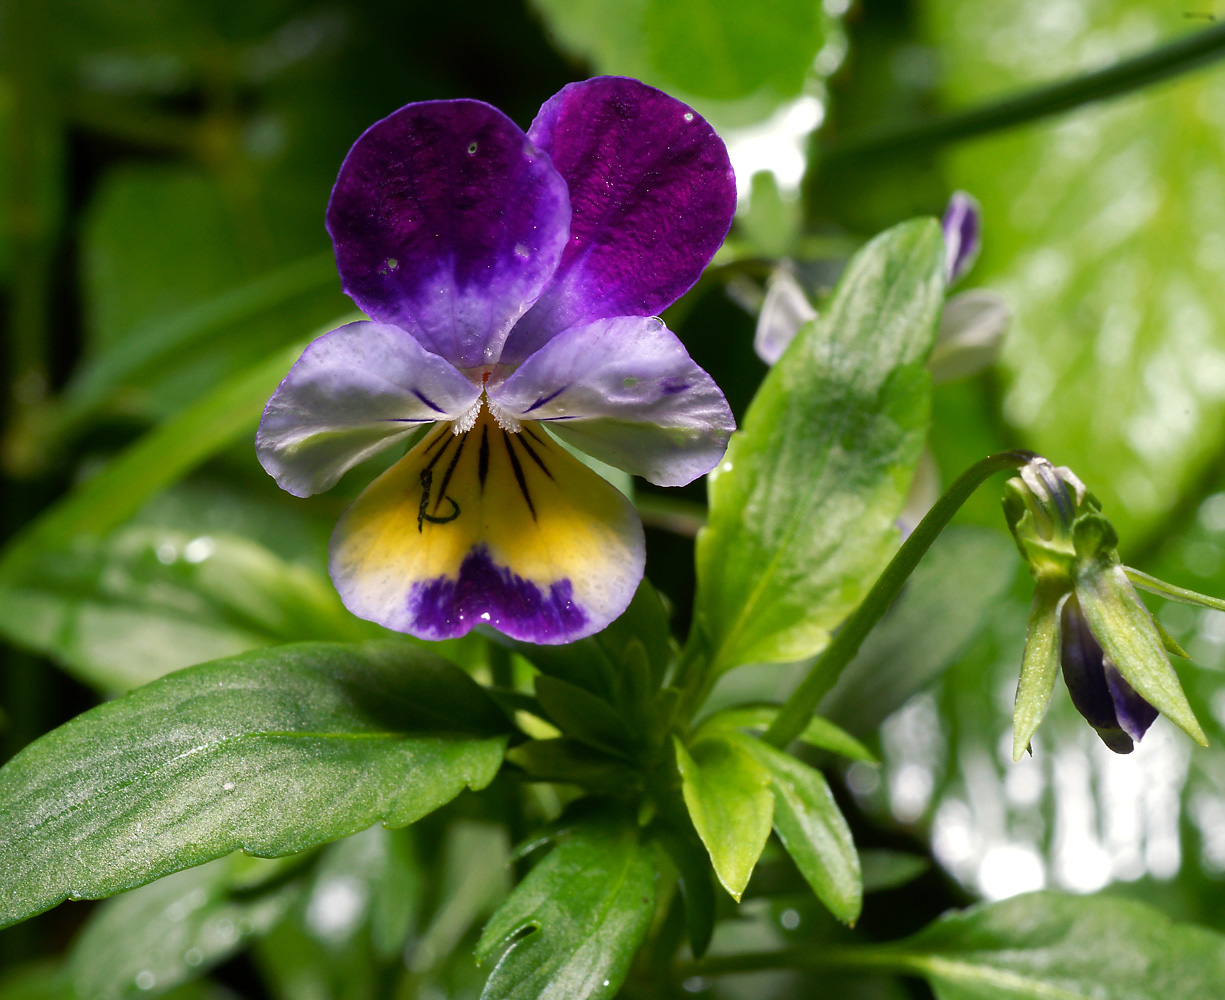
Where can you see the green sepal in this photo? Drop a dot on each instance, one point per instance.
(727, 793)
(1125, 630)
(1040, 663)
(1170, 643)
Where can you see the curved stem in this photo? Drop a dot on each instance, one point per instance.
(1178, 57)
(798, 709)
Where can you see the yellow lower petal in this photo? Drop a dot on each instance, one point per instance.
(490, 527)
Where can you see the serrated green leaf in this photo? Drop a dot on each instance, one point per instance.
(819, 732)
(1046, 946)
(272, 752)
(576, 920)
(123, 610)
(803, 507)
(727, 792)
(155, 937)
(812, 829)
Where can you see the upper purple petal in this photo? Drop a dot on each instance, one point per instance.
(652, 194)
(625, 391)
(448, 222)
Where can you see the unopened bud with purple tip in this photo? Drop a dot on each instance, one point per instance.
(1087, 618)
(962, 240)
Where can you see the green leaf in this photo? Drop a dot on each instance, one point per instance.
(578, 713)
(813, 830)
(155, 937)
(803, 507)
(570, 762)
(1047, 946)
(623, 665)
(696, 884)
(884, 869)
(173, 323)
(727, 792)
(576, 920)
(158, 459)
(819, 732)
(121, 611)
(727, 49)
(272, 752)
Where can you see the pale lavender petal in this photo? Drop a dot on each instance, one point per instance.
(448, 221)
(652, 193)
(354, 392)
(785, 309)
(625, 391)
(961, 225)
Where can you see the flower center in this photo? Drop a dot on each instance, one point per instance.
(507, 421)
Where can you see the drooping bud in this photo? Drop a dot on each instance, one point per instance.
(1087, 618)
(1099, 692)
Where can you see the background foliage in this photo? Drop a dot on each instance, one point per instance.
(163, 171)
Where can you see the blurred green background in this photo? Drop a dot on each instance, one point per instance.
(164, 167)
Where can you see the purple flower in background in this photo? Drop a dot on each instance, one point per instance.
(961, 225)
(512, 282)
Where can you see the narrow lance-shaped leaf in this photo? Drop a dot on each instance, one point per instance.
(585, 909)
(1045, 946)
(803, 507)
(272, 752)
(812, 829)
(727, 792)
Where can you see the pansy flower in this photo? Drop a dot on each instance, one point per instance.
(512, 282)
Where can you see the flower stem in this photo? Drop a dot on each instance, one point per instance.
(798, 709)
(1178, 57)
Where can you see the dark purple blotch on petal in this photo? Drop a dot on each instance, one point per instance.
(652, 195)
(962, 238)
(1099, 692)
(486, 593)
(448, 222)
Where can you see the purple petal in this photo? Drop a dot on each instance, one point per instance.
(1135, 714)
(354, 392)
(625, 391)
(448, 222)
(961, 235)
(491, 528)
(1085, 673)
(652, 193)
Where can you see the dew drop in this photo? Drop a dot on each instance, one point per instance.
(198, 549)
(193, 956)
(522, 251)
(471, 148)
(145, 980)
(228, 786)
(688, 116)
(392, 263)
